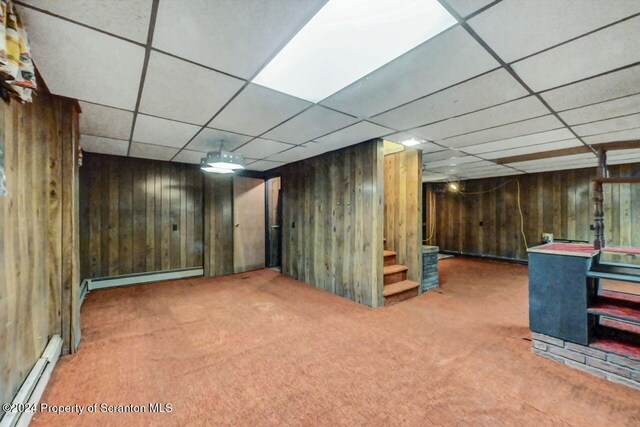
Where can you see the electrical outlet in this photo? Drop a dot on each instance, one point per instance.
(547, 237)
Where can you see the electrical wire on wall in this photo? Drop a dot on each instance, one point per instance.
(432, 223)
(456, 189)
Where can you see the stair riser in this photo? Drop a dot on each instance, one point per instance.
(396, 298)
(395, 277)
(390, 260)
(622, 326)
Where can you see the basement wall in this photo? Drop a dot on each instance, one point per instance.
(39, 276)
(139, 215)
(332, 222)
(555, 202)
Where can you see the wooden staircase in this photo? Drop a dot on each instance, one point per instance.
(615, 314)
(396, 286)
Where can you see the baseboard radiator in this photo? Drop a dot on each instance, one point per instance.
(32, 388)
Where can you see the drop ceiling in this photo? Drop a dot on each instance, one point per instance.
(171, 80)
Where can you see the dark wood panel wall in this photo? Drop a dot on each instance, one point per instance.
(555, 202)
(39, 277)
(403, 208)
(333, 220)
(218, 225)
(139, 216)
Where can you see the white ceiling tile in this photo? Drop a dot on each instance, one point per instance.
(233, 36)
(467, 7)
(513, 111)
(214, 139)
(538, 148)
(503, 172)
(105, 121)
(518, 28)
(264, 165)
(603, 110)
(455, 161)
(152, 130)
(525, 127)
(555, 161)
(84, 64)
(107, 16)
(604, 50)
(292, 155)
(354, 134)
(434, 177)
(484, 91)
(96, 144)
(260, 148)
(609, 86)
(196, 102)
(257, 109)
(441, 155)
(613, 136)
(425, 146)
(610, 125)
(447, 59)
(155, 152)
(521, 141)
(188, 156)
(314, 122)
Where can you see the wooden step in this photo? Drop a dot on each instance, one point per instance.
(394, 273)
(617, 296)
(617, 312)
(618, 347)
(620, 325)
(400, 291)
(389, 258)
(615, 272)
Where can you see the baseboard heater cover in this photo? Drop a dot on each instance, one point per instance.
(136, 279)
(33, 386)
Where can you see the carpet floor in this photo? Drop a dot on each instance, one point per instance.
(262, 349)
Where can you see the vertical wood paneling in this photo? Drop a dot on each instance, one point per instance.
(554, 202)
(403, 208)
(332, 222)
(38, 236)
(130, 208)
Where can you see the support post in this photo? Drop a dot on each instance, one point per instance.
(598, 200)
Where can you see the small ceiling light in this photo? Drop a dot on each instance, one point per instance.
(453, 186)
(411, 142)
(222, 161)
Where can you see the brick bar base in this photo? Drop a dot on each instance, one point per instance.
(612, 367)
(429, 268)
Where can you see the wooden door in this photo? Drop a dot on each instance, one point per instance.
(248, 224)
(274, 214)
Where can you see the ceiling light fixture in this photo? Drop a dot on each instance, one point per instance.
(348, 39)
(453, 186)
(222, 162)
(411, 142)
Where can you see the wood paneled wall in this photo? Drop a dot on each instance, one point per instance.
(333, 220)
(39, 278)
(403, 208)
(555, 202)
(218, 225)
(139, 215)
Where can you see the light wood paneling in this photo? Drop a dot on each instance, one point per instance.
(554, 202)
(139, 216)
(218, 224)
(403, 208)
(333, 220)
(38, 259)
(249, 224)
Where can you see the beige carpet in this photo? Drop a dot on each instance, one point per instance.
(262, 349)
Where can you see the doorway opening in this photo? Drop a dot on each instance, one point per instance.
(274, 223)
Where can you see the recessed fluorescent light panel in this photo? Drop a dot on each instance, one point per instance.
(411, 142)
(348, 39)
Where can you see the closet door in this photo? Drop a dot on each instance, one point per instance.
(248, 224)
